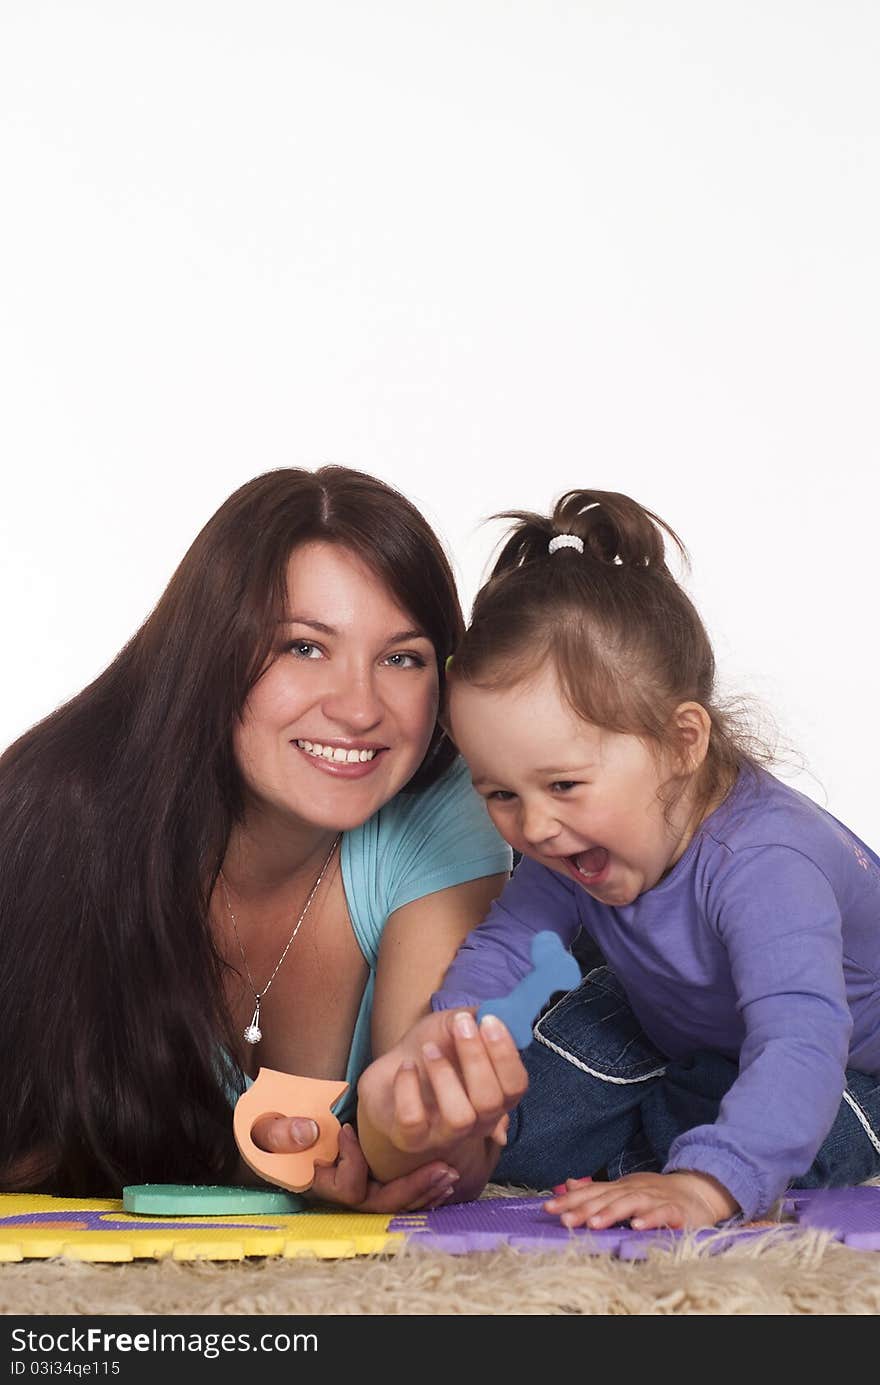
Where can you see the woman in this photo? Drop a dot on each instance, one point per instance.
(246, 844)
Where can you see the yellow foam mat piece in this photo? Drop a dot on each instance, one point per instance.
(37, 1227)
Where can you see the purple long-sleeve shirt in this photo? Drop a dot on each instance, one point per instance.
(762, 943)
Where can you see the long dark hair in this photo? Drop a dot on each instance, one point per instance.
(115, 812)
(627, 643)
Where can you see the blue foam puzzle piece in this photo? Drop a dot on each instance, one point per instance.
(553, 969)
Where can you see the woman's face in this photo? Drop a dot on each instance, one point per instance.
(343, 712)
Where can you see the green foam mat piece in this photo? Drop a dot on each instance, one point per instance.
(207, 1200)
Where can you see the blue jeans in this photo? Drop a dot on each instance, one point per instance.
(602, 1097)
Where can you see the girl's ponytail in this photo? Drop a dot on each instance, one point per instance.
(612, 529)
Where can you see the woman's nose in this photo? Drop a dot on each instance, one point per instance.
(355, 703)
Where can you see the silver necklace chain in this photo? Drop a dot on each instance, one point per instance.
(253, 1033)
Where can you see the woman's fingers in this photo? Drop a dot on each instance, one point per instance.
(505, 1058)
(479, 1078)
(345, 1181)
(453, 1102)
(277, 1134)
(486, 1079)
(429, 1186)
(411, 1122)
(460, 1081)
(498, 1136)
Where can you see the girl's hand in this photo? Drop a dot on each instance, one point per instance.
(347, 1182)
(682, 1200)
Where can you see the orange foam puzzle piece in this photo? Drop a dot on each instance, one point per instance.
(289, 1096)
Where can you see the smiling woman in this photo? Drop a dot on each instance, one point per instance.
(342, 713)
(247, 844)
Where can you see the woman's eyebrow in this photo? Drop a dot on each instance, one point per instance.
(312, 624)
(399, 637)
(403, 635)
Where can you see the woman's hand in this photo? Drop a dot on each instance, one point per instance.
(681, 1200)
(347, 1182)
(464, 1082)
(444, 1090)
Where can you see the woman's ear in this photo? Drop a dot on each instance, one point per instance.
(692, 727)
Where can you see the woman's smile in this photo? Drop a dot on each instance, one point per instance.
(341, 759)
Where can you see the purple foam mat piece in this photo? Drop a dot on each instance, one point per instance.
(853, 1214)
(498, 1221)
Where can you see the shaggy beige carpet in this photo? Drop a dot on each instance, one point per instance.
(774, 1274)
(810, 1276)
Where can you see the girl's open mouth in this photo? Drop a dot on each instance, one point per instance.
(590, 866)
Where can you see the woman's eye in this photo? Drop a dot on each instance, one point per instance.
(304, 649)
(500, 796)
(405, 661)
(561, 785)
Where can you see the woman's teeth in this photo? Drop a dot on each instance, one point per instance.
(337, 753)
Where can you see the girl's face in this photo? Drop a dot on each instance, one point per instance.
(582, 800)
(343, 712)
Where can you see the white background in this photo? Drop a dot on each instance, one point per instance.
(487, 251)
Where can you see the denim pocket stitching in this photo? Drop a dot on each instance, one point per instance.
(627, 1046)
(603, 1019)
(862, 1119)
(591, 981)
(602, 1076)
(600, 978)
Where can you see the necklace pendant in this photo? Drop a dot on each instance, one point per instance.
(253, 1034)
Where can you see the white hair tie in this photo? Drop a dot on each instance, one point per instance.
(565, 541)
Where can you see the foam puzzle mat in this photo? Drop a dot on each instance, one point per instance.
(100, 1229)
(96, 1230)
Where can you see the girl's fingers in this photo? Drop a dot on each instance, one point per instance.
(645, 1201)
(665, 1214)
(649, 1207)
(591, 1200)
(607, 1213)
(592, 1196)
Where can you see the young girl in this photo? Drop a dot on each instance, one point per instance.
(731, 1046)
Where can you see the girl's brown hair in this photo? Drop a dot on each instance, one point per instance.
(115, 813)
(626, 641)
